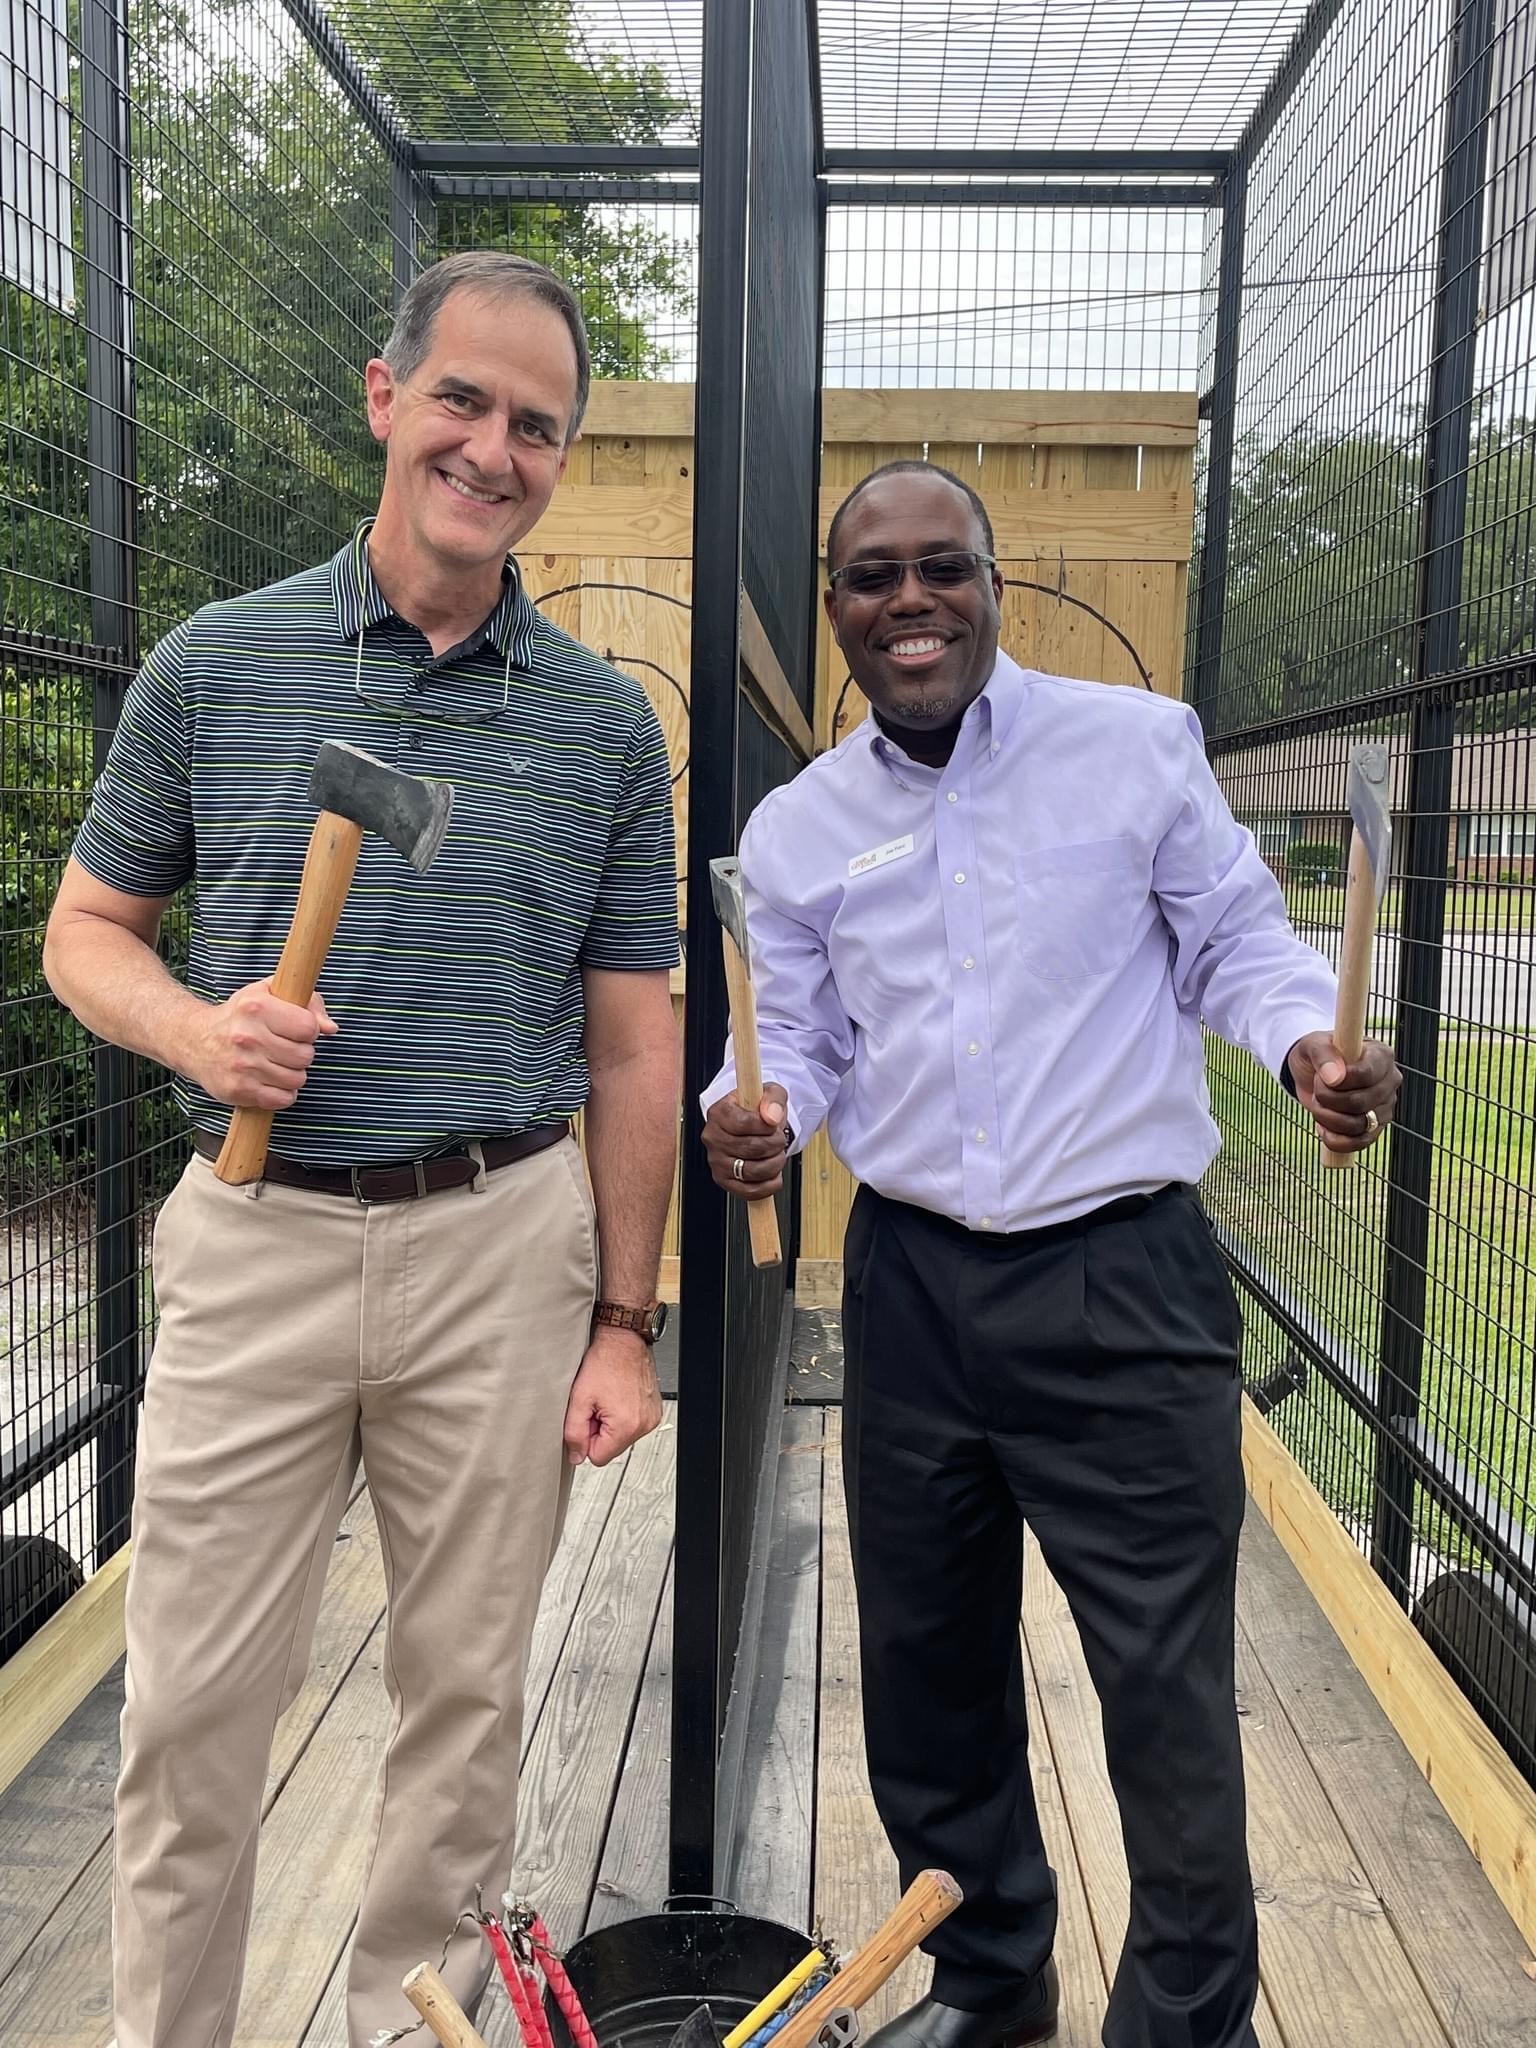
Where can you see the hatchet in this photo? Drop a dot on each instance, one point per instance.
(1369, 799)
(355, 793)
(437, 2005)
(731, 909)
(827, 2019)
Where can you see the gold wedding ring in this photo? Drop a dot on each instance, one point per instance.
(1372, 1123)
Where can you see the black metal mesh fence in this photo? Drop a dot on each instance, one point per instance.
(197, 258)
(1082, 296)
(1378, 560)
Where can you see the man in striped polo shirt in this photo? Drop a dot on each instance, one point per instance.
(441, 1323)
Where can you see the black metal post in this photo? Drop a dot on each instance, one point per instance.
(1447, 450)
(1215, 538)
(320, 33)
(409, 204)
(105, 226)
(1034, 195)
(553, 159)
(962, 162)
(719, 424)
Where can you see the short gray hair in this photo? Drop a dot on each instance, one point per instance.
(492, 273)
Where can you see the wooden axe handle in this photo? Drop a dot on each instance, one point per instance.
(762, 1217)
(329, 866)
(439, 2008)
(931, 1897)
(1355, 951)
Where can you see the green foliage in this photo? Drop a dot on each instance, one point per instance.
(1313, 860)
(263, 274)
(1322, 569)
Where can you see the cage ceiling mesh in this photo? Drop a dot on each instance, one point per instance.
(895, 74)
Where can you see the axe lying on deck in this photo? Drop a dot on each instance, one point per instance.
(1370, 854)
(731, 909)
(828, 2018)
(355, 793)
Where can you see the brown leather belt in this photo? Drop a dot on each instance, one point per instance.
(404, 1180)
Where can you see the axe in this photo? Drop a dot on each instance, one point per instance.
(1370, 854)
(828, 2019)
(731, 909)
(437, 2005)
(355, 793)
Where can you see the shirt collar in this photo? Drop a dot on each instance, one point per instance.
(985, 726)
(361, 604)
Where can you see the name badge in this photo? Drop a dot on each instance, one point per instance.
(878, 856)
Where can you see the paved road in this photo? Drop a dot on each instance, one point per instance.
(1488, 982)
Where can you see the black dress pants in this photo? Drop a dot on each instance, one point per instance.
(1085, 1378)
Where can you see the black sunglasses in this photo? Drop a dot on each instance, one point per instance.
(936, 572)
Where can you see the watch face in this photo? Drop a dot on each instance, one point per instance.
(658, 1322)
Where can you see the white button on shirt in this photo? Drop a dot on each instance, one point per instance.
(1110, 903)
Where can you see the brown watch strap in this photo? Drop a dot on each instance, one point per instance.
(617, 1315)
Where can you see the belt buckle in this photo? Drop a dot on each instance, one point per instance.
(418, 1172)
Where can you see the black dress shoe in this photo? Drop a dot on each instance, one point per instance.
(1029, 2019)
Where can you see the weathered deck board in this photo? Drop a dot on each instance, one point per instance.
(856, 1878)
(1381, 1929)
(1071, 1711)
(1467, 1953)
(772, 1861)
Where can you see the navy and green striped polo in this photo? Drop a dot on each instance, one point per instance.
(458, 992)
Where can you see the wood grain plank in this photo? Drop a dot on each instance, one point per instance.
(856, 1881)
(571, 1767)
(543, 572)
(624, 405)
(615, 519)
(57, 1965)
(1079, 525)
(41, 1686)
(1330, 1960)
(632, 1868)
(1467, 1953)
(1084, 1977)
(617, 458)
(1137, 418)
(593, 1493)
(1486, 1798)
(772, 1858)
(1075, 1730)
(669, 460)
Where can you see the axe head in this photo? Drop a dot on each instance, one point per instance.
(731, 909)
(698, 2031)
(407, 810)
(1369, 796)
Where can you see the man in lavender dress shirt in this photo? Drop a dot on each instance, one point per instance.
(987, 930)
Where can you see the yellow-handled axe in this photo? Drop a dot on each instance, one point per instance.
(731, 909)
(1369, 796)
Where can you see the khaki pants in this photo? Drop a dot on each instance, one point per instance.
(436, 1340)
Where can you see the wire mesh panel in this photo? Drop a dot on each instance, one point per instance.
(197, 258)
(1086, 298)
(1376, 549)
(633, 265)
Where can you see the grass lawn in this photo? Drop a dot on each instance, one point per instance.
(1494, 908)
(1321, 1234)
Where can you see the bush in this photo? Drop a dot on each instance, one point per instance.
(1314, 861)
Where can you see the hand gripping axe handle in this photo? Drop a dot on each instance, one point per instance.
(731, 909)
(1369, 796)
(354, 793)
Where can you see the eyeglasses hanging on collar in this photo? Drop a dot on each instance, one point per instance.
(400, 708)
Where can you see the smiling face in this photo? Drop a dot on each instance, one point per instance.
(476, 437)
(920, 656)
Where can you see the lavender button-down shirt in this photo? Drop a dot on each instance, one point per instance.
(989, 979)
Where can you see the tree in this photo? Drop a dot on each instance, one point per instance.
(263, 275)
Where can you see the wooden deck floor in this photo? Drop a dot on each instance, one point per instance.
(1378, 1929)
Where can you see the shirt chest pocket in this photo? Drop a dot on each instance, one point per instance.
(1081, 907)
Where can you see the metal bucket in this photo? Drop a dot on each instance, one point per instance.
(638, 1980)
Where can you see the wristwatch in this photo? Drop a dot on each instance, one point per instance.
(647, 1323)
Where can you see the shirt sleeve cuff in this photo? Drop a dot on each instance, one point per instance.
(1282, 1036)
